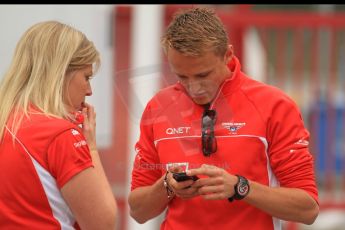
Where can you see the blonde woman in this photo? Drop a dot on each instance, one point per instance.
(50, 172)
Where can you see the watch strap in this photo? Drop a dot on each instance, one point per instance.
(241, 189)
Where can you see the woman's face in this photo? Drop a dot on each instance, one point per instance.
(78, 87)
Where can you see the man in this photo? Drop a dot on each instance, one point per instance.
(244, 140)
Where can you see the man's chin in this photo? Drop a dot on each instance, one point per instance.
(200, 101)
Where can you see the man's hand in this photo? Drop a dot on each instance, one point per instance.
(181, 189)
(218, 185)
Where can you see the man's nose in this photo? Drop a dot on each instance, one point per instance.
(195, 87)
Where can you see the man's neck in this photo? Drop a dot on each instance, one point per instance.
(207, 106)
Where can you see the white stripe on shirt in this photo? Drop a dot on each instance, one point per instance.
(61, 211)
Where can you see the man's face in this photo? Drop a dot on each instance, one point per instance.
(201, 76)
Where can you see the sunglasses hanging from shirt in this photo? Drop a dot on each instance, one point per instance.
(208, 139)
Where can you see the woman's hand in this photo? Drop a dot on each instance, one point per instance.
(89, 126)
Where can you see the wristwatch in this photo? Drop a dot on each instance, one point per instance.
(241, 189)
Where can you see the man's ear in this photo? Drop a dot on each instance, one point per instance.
(229, 54)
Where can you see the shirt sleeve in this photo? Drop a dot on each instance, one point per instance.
(68, 154)
(146, 167)
(289, 154)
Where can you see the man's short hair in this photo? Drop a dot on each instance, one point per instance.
(195, 31)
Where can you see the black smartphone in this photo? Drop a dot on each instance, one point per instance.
(182, 176)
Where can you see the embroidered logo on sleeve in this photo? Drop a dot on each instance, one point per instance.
(302, 142)
(75, 132)
(80, 143)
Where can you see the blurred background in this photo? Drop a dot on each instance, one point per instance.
(298, 48)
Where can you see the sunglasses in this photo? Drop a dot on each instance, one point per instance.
(209, 143)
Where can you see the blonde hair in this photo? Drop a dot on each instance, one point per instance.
(195, 31)
(44, 55)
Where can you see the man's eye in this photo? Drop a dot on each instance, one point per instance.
(181, 77)
(203, 75)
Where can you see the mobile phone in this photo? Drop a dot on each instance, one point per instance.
(182, 176)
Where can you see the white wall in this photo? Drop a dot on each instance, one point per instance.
(144, 81)
(94, 21)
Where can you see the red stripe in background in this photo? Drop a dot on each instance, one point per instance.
(115, 158)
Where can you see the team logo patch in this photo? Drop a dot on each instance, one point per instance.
(233, 127)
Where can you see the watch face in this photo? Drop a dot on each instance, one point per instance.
(242, 188)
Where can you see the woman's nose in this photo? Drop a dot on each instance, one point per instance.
(89, 90)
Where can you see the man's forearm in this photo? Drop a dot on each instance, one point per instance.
(148, 202)
(284, 203)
